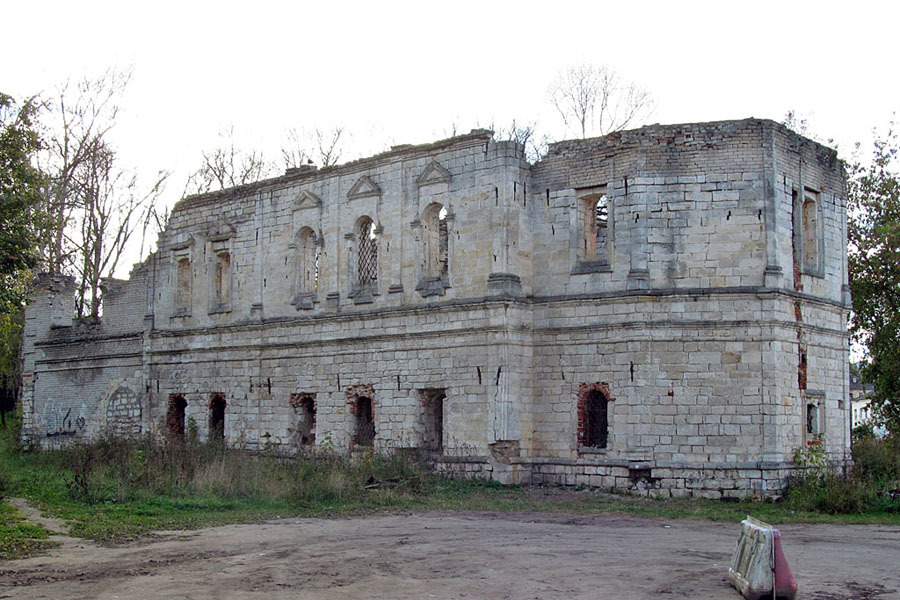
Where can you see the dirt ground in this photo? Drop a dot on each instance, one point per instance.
(454, 555)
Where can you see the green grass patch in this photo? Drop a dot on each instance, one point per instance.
(115, 490)
(18, 537)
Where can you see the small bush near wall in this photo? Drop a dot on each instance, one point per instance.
(871, 486)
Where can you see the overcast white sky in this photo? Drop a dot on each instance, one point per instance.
(403, 72)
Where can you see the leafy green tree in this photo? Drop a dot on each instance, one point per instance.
(874, 263)
(20, 185)
(10, 342)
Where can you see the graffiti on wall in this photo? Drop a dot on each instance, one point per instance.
(61, 421)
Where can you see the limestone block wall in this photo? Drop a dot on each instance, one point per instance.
(399, 353)
(692, 276)
(686, 208)
(74, 397)
(686, 381)
(264, 227)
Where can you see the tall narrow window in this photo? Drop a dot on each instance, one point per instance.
(594, 403)
(307, 262)
(596, 422)
(814, 419)
(365, 422)
(435, 258)
(306, 269)
(217, 417)
(183, 285)
(435, 237)
(367, 259)
(175, 416)
(433, 413)
(222, 280)
(810, 227)
(305, 408)
(594, 229)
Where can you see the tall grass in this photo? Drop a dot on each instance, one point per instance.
(121, 470)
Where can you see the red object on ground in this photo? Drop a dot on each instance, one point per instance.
(785, 582)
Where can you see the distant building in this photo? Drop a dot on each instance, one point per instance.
(861, 404)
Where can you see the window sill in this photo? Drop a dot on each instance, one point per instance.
(432, 286)
(305, 301)
(223, 308)
(812, 270)
(364, 295)
(591, 266)
(591, 450)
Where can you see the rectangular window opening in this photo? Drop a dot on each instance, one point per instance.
(305, 410)
(433, 419)
(175, 416)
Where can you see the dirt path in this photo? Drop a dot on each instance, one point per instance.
(455, 555)
(35, 516)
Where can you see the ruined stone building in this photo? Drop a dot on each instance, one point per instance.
(664, 308)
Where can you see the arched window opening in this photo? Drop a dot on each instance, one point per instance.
(594, 229)
(365, 422)
(367, 259)
(217, 406)
(434, 225)
(175, 416)
(435, 259)
(308, 252)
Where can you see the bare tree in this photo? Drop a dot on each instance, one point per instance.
(328, 144)
(295, 153)
(94, 204)
(113, 208)
(595, 100)
(227, 166)
(535, 145)
(308, 147)
(81, 114)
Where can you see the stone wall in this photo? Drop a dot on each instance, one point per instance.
(680, 289)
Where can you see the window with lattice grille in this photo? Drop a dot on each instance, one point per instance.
(367, 263)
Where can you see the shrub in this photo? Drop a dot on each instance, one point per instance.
(872, 486)
(863, 431)
(877, 459)
(4, 482)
